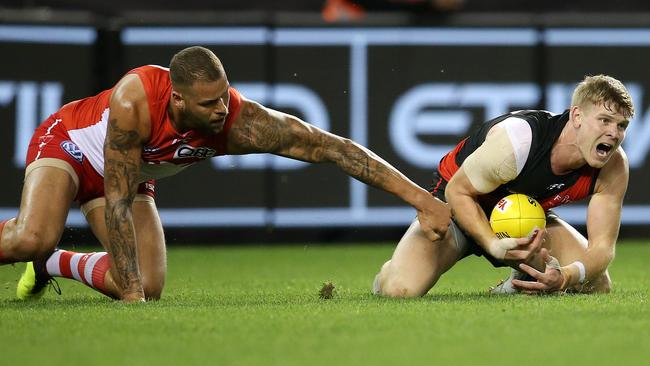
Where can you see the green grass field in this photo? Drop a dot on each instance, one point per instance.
(260, 306)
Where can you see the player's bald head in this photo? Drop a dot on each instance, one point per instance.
(194, 64)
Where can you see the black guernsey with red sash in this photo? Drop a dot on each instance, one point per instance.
(536, 179)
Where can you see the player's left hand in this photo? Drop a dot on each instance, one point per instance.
(551, 280)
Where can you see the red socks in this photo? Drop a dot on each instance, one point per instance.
(88, 268)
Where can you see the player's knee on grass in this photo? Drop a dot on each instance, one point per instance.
(376, 284)
(397, 287)
(605, 286)
(389, 284)
(602, 285)
(152, 288)
(153, 285)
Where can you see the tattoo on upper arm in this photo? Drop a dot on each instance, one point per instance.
(121, 174)
(121, 140)
(274, 132)
(264, 131)
(258, 131)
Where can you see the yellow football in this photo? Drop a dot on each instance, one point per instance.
(516, 216)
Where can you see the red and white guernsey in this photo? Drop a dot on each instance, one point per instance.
(76, 134)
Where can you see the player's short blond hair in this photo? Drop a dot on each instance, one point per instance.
(604, 90)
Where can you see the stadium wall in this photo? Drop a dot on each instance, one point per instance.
(405, 89)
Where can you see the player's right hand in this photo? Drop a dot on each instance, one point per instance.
(517, 249)
(434, 218)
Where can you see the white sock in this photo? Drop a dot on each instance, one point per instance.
(87, 268)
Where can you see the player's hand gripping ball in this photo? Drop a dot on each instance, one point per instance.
(516, 216)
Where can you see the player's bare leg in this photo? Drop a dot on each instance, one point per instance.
(47, 194)
(567, 245)
(151, 250)
(93, 269)
(417, 263)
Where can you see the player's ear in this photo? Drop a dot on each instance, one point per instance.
(575, 115)
(177, 100)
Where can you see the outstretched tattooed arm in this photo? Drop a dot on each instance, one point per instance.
(122, 150)
(260, 129)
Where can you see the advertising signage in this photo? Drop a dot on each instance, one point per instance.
(409, 94)
(43, 67)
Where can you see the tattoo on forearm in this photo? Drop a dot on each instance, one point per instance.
(362, 165)
(122, 244)
(121, 177)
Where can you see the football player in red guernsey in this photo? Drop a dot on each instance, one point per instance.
(106, 151)
(555, 159)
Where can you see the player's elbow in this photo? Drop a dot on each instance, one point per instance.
(602, 285)
(606, 287)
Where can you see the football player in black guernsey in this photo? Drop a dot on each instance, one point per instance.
(554, 158)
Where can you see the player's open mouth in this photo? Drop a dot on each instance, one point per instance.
(603, 149)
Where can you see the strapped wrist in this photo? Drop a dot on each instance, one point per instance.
(582, 272)
(573, 274)
(498, 247)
